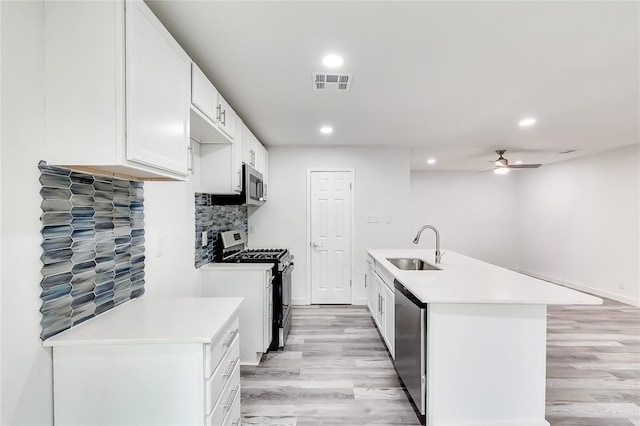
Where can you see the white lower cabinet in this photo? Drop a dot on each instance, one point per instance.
(254, 282)
(381, 301)
(134, 367)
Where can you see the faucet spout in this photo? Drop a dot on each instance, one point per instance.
(417, 239)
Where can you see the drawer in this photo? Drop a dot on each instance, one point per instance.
(223, 374)
(230, 393)
(371, 261)
(215, 350)
(387, 277)
(233, 418)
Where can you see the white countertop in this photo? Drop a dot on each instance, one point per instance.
(153, 320)
(467, 280)
(235, 266)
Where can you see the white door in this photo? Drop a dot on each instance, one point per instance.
(330, 226)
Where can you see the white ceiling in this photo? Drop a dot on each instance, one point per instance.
(451, 80)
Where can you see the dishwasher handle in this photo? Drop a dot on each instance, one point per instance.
(402, 289)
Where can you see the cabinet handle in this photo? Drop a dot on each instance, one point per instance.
(365, 280)
(239, 181)
(227, 406)
(381, 306)
(231, 367)
(253, 157)
(234, 333)
(218, 112)
(224, 117)
(190, 158)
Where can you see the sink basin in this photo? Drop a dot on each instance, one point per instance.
(412, 264)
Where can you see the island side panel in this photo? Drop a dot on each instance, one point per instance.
(486, 364)
(127, 384)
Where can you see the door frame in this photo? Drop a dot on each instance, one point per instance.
(352, 175)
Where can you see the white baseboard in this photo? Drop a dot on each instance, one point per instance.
(303, 302)
(587, 289)
(360, 301)
(299, 301)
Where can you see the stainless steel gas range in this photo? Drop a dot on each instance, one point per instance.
(231, 247)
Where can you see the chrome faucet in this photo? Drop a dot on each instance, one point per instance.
(417, 238)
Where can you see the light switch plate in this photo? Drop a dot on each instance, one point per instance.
(204, 238)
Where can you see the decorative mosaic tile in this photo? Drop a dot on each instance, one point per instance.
(214, 219)
(92, 246)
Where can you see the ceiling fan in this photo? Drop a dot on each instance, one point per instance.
(503, 166)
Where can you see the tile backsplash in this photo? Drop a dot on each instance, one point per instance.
(214, 219)
(92, 246)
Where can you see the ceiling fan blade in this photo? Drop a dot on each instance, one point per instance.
(524, 166)
(484, 171)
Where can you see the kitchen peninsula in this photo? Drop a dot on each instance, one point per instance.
(470, 337)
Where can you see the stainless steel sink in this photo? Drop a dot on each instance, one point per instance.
(412, 264)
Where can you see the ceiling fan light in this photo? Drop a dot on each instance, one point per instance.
(527, 122)
(501, 171)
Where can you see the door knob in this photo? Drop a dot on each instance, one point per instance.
(316, 245)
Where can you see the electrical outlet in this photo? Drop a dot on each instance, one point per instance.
(374, 219)
(252, 229)
(204, 238)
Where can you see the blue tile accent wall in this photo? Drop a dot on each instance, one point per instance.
(215, 219)
(92, 246)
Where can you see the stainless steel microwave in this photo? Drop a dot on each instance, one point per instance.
(253, 186)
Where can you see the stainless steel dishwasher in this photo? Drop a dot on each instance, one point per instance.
(411, 344)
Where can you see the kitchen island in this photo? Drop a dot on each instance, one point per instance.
(150, 361)
(478, 339)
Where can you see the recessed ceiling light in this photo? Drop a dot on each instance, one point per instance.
(527, 122)
(332, 61)
(431, 161)
(501, 171)
(325, 130)
(518, 162)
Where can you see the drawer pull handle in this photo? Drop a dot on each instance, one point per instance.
(229, 403)
(236, 422)
(234, 333)
(231, 368)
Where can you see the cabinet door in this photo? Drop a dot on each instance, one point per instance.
(370, 287)
(236, 160)
(227, 120)
(246, 144)
(381, 311)
(252, 150)
(157, 93)
(389, 320)
(204, 95)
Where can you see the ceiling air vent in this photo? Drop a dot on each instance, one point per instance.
(331, 82)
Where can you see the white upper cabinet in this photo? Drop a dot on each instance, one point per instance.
(117, 91)
(212, 119)
(204, 95)
(227, 118)
(221, 166)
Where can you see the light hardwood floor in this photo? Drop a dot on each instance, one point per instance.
(335, 370)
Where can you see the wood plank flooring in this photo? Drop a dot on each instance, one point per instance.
(335, 370)
(593, 365)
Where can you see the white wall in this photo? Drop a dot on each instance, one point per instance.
(169, 217)
(26, 370)
(381, 188)
(26, 366)
(578, 223)
(475, 213)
